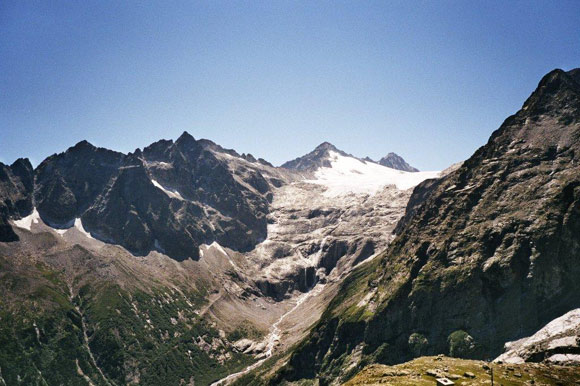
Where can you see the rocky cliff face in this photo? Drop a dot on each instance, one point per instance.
(173, 197)
(16, 183)
(491, 253)
(67, 184)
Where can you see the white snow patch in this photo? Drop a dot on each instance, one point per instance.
(564, 325)
(79, 226)
(205, 212)
(26, 222)
(170, 192)
(215, 245)
(158, 246)
(223, 252)
(350, 175)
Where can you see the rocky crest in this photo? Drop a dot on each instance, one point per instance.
(558, 342)
(171, 197)
(395, 161)
(490, 255)
(317, 158)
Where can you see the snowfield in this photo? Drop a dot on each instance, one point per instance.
(170, 193)
(350, 175)
(26, 222)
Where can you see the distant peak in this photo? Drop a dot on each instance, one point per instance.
(21, 162)
(185, 137)
(319, 157)
(395, 161)
(368, 159)
(326, 146)
(83, 144)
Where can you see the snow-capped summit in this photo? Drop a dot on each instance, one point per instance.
(343, 174)
(315, 159)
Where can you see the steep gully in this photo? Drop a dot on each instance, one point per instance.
(272, 338)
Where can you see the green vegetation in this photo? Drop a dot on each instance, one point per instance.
(153, 337)
(461, 345)
(245, 330)
(418, 344)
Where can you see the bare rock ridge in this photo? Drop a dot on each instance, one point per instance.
(172, 196)
(313, 160)
(489, 254)
(319, 157)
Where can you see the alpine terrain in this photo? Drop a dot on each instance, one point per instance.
(185, 263)
(179, 263)
(487, 256)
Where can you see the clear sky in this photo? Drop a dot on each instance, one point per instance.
(427, 80)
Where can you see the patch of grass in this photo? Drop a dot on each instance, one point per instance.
(245, 330)
(415, 373)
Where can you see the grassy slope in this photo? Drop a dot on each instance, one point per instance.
(415, 373)
(149, 336)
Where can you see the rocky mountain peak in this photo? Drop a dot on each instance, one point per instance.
(555, 87)
(395, 161)
(326, 146)
(546, 125)
(317, 158)
(84, 144)
(185, 137)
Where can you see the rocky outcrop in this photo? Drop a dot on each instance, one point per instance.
(395, 161)
(16, 182)
(420, 194)
(489, 256)
(67, 184)
(317, 158)
(557, 342)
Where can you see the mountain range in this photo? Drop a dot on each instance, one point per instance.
(91, 227)
(186, 263)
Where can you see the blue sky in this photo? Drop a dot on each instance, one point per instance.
(427, 80)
